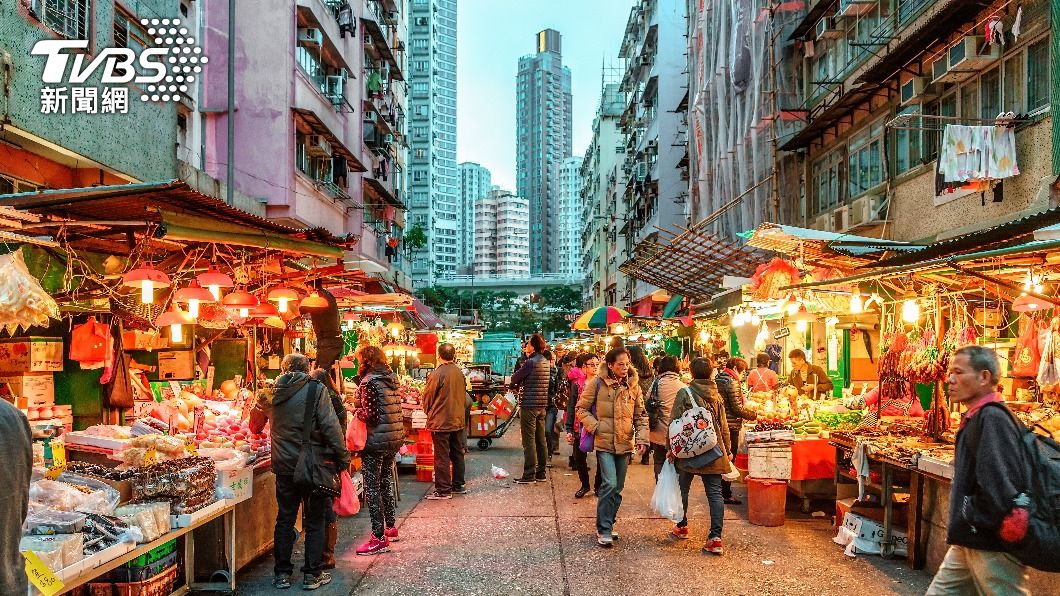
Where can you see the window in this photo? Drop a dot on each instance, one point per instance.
(989, 95)
(827, 181)
(9, 185)
(1038, 75)
(68, 18)
(1015, 85)
(865, 159)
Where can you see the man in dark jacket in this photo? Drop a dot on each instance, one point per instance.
(445, 401)
(17, 453)
(809, 379)
(331, 530)
(287, 412)
(986, 483)
(533, 380)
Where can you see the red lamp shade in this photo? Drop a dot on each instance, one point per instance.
(313, 301)
(351, 316)
(192, 292)
(147, 279)
(1029, 304)
(264, 309)
(240, 299)
(214, 280)
(174, 319)
(284, 296)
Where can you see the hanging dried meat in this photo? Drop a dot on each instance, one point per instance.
(23, 302)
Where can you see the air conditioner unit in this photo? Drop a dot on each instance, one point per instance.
(915, 90)
(841, 219)
(318, 145)
(828, 29)
(641, 172)
(645, 59)
(823, 223)
(855, 8)
(421, 21)
(970, 55)
(863, 211)
(940, 72)
(310, 37)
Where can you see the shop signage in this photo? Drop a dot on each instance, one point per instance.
(781, 333)
(160, 73)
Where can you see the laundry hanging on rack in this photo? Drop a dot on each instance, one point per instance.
(977, 153)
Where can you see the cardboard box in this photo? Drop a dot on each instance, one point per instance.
(143, 340)
(868, 536)
(29, 389)
(240, 482)
(176, 365)
(31, 354)
(483, 424)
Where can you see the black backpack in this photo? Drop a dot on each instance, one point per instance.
(652, 405)
(1040, 548)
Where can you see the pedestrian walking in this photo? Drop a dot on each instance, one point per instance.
(379, 406)
(296, 393)
(703, 392)
(983, 517)
(17, 452)
(552, 411)
(612, 409)
(659, 404)
(586, 366)
(445, 402)
(728, 382)
(645, 378)
(532, 379)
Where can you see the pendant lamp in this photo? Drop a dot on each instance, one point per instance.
(242, 300)
(214, 280)
(175, 319)
(313, 302)
(193, 295)
(147, 279)
(283, 297)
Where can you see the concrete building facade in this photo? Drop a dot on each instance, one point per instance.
(543, 140)
(434, 179)
(568, 220)
(475, 183)
(502, 231)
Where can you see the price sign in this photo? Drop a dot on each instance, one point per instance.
(41, 576)
(151, 457)
(58, 455)
(191, 447)
(781, 333)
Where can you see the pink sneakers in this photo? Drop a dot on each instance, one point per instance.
(680, 532)
(374, 546)
(713, 546)
(392, 535)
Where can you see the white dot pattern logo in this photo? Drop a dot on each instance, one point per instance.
(183, 53)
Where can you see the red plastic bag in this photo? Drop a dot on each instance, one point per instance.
(1028, 355)
(356, 435)
(88, 342)
(347, 504)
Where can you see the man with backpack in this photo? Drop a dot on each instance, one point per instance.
(988, 514)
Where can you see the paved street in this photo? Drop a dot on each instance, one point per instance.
(539, 539)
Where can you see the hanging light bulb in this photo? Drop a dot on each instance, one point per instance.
(802, 318)
(792, 306)
(801, 326)
(214, 280)
(703, 336)
(856, 304)
(147, 279)
(175, 319)
(619, 328)
(737, 319)
(241, 300)
(193, 296)
(283, 298)
(755, 319)
(910, 310)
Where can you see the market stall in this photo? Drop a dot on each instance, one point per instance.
(137, 347)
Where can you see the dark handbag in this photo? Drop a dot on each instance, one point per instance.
(311, 471)
(653, 406)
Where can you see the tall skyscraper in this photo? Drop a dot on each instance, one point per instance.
(568, 220)
(475, 183)
(434, 183)
(543, 140)
(501, 235)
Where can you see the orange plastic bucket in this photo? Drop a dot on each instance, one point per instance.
(766, 500)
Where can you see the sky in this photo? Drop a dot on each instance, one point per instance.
(491, 37)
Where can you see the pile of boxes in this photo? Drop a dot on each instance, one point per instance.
(27, 379)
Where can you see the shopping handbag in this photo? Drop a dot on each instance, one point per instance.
(1028, 356)
(356, 435)
(587, 441)
(693, 434)
(666, 500)
(348, 503)
(311, 471)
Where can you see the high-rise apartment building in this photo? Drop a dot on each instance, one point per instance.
(475, 183)
(568, 220)
(502, 235)
(434, 181)
(543, 140)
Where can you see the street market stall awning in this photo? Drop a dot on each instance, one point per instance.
(1011, 233)
(818, 247)
(423, 316)
(692, 264)
(101, 217)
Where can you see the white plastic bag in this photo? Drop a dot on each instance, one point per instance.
(499, 473)
(732, 475)
(666, 501)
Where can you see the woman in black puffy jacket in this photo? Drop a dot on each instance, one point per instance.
(379, 406)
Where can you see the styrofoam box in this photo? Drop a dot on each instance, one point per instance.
(869, 534)
(240, 482)
(190, 519)
(81, 438)
(769, 462)
(937, 467)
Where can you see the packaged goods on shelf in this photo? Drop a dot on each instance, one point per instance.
(57, 551)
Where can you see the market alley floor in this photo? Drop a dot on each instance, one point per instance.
(505, 538)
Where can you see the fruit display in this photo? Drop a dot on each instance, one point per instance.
(231, 432)
(771, 424)
(804, 428)
(411, 390)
